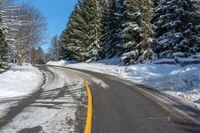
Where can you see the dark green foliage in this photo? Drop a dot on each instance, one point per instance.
(136, 33)
(110, 38)
(177, 27)
(3, 47)
(135, 30)
(81, 37)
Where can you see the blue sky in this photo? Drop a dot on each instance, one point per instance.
(56, 13)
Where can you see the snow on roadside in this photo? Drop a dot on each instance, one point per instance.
(55, 110)
(181, 82)
(16, 83)
(60, 63)
(19, 81)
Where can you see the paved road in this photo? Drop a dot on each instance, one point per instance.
(120, 107)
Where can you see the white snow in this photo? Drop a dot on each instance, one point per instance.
(172, 79)
(51, 112)
(61, 62)
(100, 82)
(189, 59)
(17, 83)
(113, 61)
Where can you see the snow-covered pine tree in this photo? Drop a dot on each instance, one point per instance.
(146, 46)
(119, 14)
(136, 33)
(54, 49)
(91, 14)
(73, 37)
(195, 32)
(3, 44)
(83, 31)
(3, 47)
(63, 53)
(110, 32)
(176, 27)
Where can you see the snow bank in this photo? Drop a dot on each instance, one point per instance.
(113, 61)
(181, 82)
(59, 63)
(19, 81)
(158, 76)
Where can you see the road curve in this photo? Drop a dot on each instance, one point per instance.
(120, 107)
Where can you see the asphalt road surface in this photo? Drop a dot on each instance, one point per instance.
(120, 107)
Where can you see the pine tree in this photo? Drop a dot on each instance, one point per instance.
(176, 27)
(136, 33)
(109, 38)
(54, 49)
(3, 47)
(83, 31)
(195, 29)
(146, 46)
(63, 53)
(3, 44)
(73, 37)
(91, 15)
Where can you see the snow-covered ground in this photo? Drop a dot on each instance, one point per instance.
(19, 81)
(60, 63)
(55, 110)
(16, 83)
(181, 82)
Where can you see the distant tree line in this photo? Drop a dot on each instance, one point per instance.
(137, 31)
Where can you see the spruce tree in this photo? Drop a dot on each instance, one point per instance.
(90, 13)
(73, 38)
(54, 49)
(64, 53)
(176, 27)
(109, 38)
(146, 46)
(3, 44)
(83, 31)
(195, 30)
(3, 47)
(136, 33)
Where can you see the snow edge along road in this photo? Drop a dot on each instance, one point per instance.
(88, 125)
(22, 103)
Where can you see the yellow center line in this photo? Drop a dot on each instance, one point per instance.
(88, 125)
